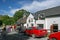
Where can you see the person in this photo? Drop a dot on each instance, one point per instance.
(51, 29)
(19, 29)
(3, 34)
(14, 26)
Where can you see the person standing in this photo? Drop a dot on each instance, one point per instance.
(4, 33)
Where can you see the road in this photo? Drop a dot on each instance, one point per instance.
(21, 36)
(43, 38)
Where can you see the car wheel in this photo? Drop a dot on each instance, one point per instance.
(33, 35)
(54, 39)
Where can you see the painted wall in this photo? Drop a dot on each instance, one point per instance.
(50, 21)
(47, 22)
(40, 22)
(32, 21)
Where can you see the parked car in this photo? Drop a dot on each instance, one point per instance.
(54, 36)
(36, 32)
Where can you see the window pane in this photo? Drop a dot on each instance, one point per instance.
(40, 25)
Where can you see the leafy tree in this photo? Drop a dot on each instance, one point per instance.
(7, 20)
(12, 21)
(19, 14)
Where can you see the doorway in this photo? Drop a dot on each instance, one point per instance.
(54, 28)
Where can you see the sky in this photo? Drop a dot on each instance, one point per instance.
(9, 7)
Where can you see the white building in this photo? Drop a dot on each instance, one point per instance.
(55, 21)
(48, 19)
(30, 21)
(51, 20)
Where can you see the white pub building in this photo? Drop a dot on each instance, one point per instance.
(48, 19)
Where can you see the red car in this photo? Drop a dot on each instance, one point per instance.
(36, 32)
(54, 36)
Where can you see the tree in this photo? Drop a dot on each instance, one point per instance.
(19, 14)
(12, 21)
(7, 20)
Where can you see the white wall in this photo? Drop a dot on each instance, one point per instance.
(29, 18)
(50, 21)
(47, 22)
(40, 22)
(25, 25)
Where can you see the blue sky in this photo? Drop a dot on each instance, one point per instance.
(9, 7)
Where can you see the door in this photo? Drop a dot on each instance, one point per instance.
(54, 28)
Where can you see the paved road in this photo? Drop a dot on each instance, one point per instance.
(21, 36)
(43, 38)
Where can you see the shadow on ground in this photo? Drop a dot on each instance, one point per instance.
(15, 37)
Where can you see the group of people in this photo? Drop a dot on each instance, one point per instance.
(5, 31)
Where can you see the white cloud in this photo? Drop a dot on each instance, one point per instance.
(36, 5)
(14, 10)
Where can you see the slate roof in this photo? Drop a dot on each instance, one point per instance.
(51, 12)
(22, 20)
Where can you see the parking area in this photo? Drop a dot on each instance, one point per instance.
(43, 38)
(21, 36)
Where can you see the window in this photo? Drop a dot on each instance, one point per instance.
(40, 25)
(31, 20)
(29, 28)
(31, 24)
(27, 25)
(39, 28)
(41, 16)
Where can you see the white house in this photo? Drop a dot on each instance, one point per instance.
(55, 21)
(49, 19)
(30, 21)
(40, 23)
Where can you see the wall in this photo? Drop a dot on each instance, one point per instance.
(50, 21)
(40, 22)
(29, 23)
